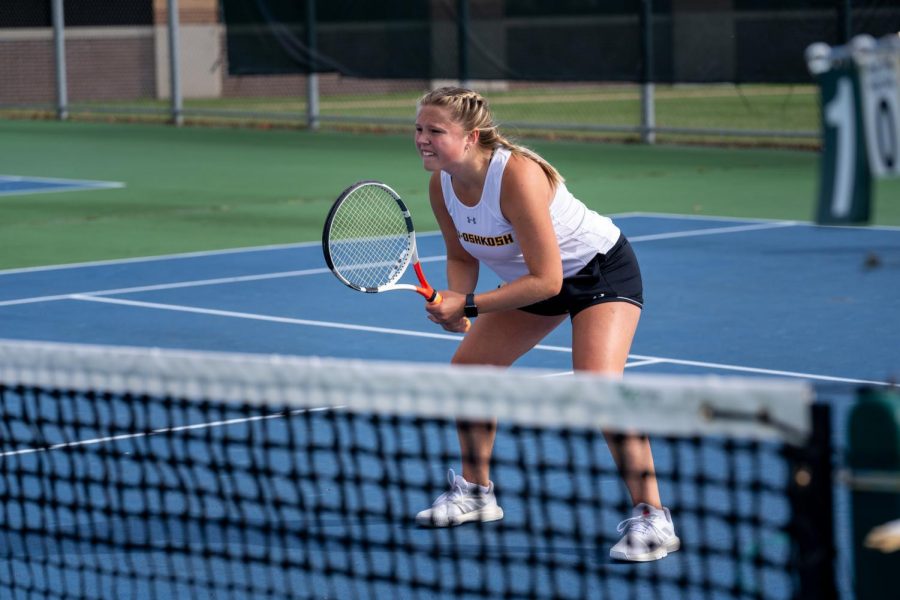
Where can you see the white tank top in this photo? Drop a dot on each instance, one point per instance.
(486, 234)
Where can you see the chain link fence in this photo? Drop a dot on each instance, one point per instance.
(92, 59)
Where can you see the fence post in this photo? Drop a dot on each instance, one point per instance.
(844, 21)
(59, 46)
(462, 41)
(312, 76)
(648, 113)
(174, 64)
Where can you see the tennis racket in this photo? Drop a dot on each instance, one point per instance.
(369, 241)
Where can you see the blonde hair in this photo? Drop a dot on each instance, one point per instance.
(470, 109)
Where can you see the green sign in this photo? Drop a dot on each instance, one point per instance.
(879, 76)
(845, 186)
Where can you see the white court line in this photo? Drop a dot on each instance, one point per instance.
(58, 190)
(97, 182)
(177, 256)
(161, 431)
(227, 280)
(644, 362)
(186, 284)
(457, 337)
(160, 257)
(73, 185)
(630, 365)
(677, 216)
(268, 318)
(204, 253)
(712, 231)
(560, 374)
(165, 286)
(208, 425)
(773, 372)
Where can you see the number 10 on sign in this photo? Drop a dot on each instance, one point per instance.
(879, 80)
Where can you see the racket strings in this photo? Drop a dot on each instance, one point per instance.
(369, 240)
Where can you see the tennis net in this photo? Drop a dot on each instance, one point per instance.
(143, 473)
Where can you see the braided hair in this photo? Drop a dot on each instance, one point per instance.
(470, 109)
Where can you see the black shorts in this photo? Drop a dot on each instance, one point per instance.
(611, 277)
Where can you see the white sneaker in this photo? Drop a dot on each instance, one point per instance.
(464, 502)
(649, 535)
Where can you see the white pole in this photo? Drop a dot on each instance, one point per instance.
(59, 45)
(174, 62)
(312, 101)
(312, 77)
(648, 114)
(648, 109)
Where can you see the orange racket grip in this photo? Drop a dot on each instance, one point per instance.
(431, 295)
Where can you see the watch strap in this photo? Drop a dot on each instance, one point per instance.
(471, 310)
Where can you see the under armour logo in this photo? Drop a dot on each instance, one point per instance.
(470, 219)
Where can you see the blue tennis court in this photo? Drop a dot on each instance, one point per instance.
(724, 296)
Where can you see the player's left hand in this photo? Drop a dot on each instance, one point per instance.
(460, 326)
(450, 312)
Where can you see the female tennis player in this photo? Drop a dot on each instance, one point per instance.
(503, 205)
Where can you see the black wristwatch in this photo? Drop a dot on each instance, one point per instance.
(471, 309)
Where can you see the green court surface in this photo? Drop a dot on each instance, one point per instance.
(200, 188)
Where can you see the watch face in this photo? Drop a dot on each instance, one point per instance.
(470, 310)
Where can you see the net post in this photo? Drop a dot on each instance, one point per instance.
(873, 458)
(812, 498)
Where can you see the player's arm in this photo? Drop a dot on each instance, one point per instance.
(525, 199)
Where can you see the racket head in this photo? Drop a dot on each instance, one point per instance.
(368, 240)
